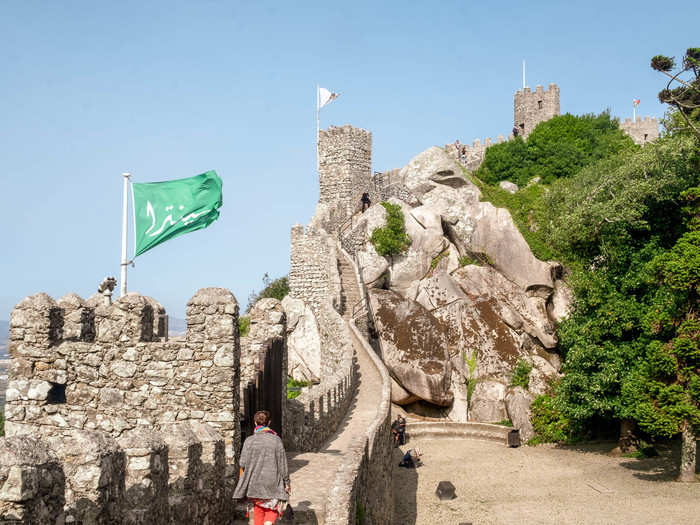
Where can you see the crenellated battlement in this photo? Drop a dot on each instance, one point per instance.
(641, 130)
(532, 107)
(75, 366)
(345, 170)
(144, 477)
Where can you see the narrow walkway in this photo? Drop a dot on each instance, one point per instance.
(313, 473)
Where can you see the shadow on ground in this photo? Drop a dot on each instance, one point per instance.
(405, 480)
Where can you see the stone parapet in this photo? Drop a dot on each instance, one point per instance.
(532, 107)
(316, 414)
(444, 429)
(641, 131)
(364, 479)
(88, 477)
(81, 367)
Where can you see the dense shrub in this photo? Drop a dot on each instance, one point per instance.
(549, 423)
(391, 239)
(521, 374)
(556, 148)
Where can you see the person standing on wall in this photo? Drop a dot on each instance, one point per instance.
(264, 479)
(366, 203)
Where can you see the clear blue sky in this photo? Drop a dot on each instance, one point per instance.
(171, 89)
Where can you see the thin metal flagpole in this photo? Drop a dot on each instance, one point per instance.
(125, 227)
(634, 111)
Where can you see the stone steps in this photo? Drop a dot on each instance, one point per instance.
(448, 429)
(350, 292)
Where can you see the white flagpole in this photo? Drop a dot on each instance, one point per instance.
(318, 125)
(634, 112)
(125, 209)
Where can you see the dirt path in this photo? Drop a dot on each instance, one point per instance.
(540, 485)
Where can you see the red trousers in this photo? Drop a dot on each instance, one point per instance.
(262, 516)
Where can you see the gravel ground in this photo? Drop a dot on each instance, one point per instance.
(537, 485)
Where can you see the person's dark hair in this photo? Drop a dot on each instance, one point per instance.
(262, 417)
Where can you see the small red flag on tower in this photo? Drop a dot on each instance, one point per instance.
(636, 102)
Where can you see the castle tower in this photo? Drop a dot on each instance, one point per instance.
(531, 108)
(641, 131)
(345, 166)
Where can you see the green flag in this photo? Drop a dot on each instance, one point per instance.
(164, 210)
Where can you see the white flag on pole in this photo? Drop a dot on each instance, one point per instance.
(325, 97)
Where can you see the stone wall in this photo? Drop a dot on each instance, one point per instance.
(313, 272)
(268, 323)
(530, 108)
(77, 367)
(641, 131)
(345, 163)
(88, 477)
(316, 414)
(364, 480)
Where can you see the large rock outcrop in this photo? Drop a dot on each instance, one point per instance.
(414, 346)
(468, 289)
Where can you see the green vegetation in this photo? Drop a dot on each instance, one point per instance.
(556, 148)
(682, 92)
(471, 379)
(521, 374)
(436, 260)
(466, 259)
(244, 325)
(549, 422)
(505, 423)
(293, 383)
(2, 424)
(391, 239)
(272, 289)
(625, 220)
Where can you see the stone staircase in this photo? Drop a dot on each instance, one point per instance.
(350, 293)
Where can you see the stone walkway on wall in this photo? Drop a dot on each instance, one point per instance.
(313, 473)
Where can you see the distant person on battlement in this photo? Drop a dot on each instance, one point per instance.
(515, 131)
(365, 201)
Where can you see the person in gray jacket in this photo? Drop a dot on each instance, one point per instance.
(264, 479)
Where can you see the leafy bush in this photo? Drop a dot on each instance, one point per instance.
(273, 289)
(548, 421)
(244, 325)
(294, 383)
(521, 374)
(391, 239)
(558, 147)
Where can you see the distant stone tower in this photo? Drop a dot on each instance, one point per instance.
(641, 131)
(532, 108)
(345, 169)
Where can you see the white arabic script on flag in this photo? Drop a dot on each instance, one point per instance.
(187, 219)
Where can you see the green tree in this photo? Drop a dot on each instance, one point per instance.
(682, 92)
(556, 148)
(665, 392)
(272, 288)
(391, 239)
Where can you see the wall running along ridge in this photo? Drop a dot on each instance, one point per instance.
(364, 480)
